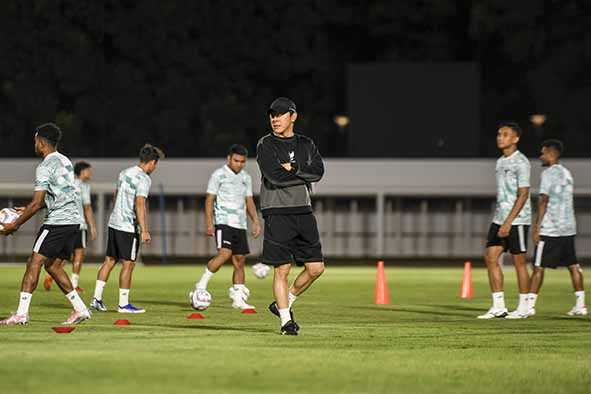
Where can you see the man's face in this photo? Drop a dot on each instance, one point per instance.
(547, 155)
(236, 162)
(506, 137)
(151, 166)
(280, 123)
(38, 146)
(86, 174)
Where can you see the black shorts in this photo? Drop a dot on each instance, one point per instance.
(122, 245)
(80, 240)
(56, 241)
(552, 252)
(515, 243)
(291, 239)
(231, 238)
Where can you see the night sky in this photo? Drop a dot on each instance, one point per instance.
(196, 76)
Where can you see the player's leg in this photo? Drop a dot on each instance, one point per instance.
(55, 268)
(523, 283)
(28, 286)
(280, 292)
(495, 280)
(536, 282)
(128, 243)
(304, 280)
(77, 261)
(102, 277)
(213, 266)
(48, 281)
(239, 293)
(576, 274)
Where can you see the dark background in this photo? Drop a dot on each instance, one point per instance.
(196, 76)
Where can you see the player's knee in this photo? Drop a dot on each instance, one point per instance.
(315, 270)
(282, 271)
(239, 261)
(225, 254)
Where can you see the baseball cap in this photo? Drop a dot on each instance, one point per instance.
(282, 105)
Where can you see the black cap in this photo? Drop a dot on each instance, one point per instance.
(50, 132)
(282, 105)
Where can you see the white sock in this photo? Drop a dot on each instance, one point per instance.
(498, 300)
(523, 305)
(291, 298)
(532, 298)
(239, 286)
(202, 284)
(123, 297)
(98, 290)
(579, 296)
(23, 303)
(284, 315)
(74, 280)
(76, 301)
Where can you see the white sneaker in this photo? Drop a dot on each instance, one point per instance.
(578, 311)
(239, 298)
(78, 317)
(531, 311)
(517, 314)
(15, 320)
(494, 312)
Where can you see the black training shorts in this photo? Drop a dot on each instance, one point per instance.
(122, 245)
(56, 241)
(231, 238)
(515, 243)
(552, 252)
(291, 239)
(80, 240)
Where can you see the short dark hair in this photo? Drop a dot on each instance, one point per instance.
(557, 145)
(513, 126)
(150, 152)
(80, 166)
(50, 133)
(237, 149)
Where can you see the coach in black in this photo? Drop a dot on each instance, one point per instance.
(289, 164)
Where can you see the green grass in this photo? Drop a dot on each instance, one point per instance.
(426, 341)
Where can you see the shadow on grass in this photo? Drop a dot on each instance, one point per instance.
(212, 328)
(411, 310)
(166, 303)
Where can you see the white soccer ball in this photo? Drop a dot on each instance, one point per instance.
(7, 215)
(261, 270)
(200, 299)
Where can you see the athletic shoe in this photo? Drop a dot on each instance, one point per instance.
(289, 328)
(47, 282)
(239, 298)
(129, 308)
(15, 320)
(517, 314)
(98, 305)
(78, 317)
(494, 312)
(274, 310)
(531, 311)
(578, 311)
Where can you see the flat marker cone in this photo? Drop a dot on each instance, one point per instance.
(196, 315)
(382, 296)
(122, 322)
(466, 291)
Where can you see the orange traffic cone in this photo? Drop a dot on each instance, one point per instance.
(466, 292)
(382, 296)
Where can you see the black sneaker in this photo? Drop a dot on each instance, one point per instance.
(274, 310)
(290, 328)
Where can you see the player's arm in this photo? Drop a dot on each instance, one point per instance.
(313, 169)
(89, 217)
(209, 223)
(31, 209)
(542, 207)
(522, 197)
(251, 211)
(279, 174)
(140, 213)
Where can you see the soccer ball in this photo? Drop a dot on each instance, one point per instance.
(7, 215)
(200, 299)
(261, 270)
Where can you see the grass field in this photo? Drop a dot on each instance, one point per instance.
(426, 341)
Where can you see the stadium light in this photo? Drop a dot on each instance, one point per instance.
(342, 120)
(538, 120)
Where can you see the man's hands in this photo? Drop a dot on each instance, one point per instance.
(93, 233)
(287, 166)
(9, 228)
(256, 229)
(536, 235)
(504, 230)
(210, 230)
(145, 237)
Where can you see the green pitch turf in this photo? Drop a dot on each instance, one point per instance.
(426, 341)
